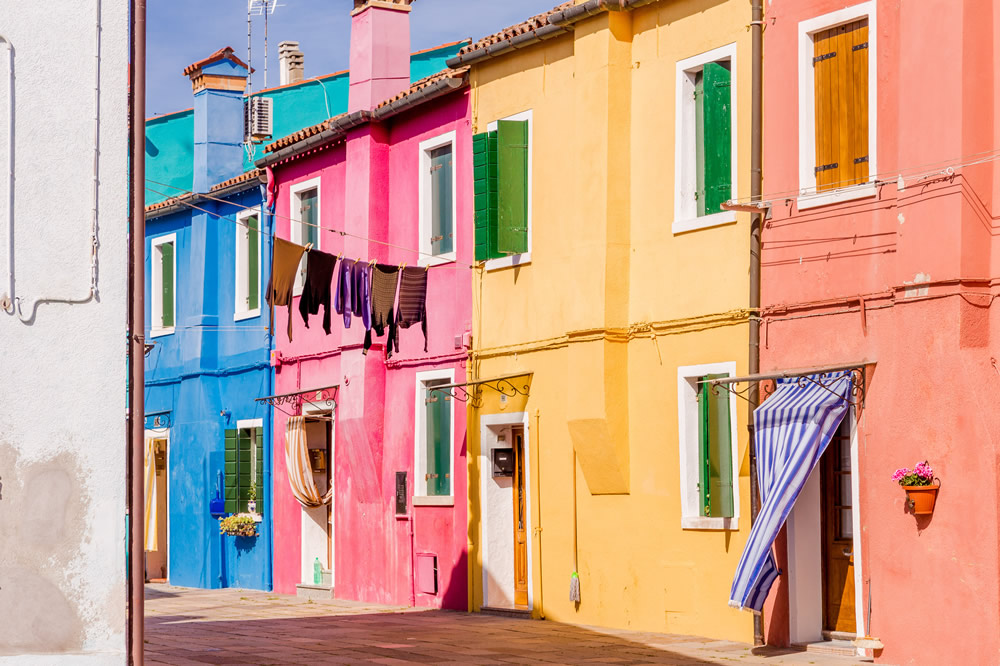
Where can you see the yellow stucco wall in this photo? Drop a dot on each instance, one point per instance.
(610, 305)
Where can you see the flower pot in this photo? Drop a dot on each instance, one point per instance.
(921, 499)
(252, 506)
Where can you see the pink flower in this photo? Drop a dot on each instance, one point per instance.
(900, 473)
(924, 471)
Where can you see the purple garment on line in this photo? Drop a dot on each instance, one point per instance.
(342, 300)
(361, 294)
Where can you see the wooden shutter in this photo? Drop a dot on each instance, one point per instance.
(716, 138)
(259, 435)
(253, 264)
(438, 443)
(512, 154)
(244, 468)
(715, 458)
(840, 69)
(486, 177)
(704, 445)
(167, 273)
(231, 473)
(442, 208)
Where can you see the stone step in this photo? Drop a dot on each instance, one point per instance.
(839, 636)
(840, 648)
(313, 591)
(521, 613)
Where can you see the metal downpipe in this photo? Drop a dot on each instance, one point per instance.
(756, 220)
(137, 356)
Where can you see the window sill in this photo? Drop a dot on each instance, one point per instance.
(439, 260)
(160, 332)
(427, 500)
(509, 261)
(703, 222)
(249, 314)
(706, 523)
(817, 199)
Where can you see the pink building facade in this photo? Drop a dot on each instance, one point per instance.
(880, 137)
(395, 531)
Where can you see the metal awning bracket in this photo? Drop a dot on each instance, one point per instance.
(504, 385)
(802, 377)
(326, 395)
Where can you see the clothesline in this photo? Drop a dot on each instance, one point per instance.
(453, 265)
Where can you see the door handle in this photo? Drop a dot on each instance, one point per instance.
(847, 552)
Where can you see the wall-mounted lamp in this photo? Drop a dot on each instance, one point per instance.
(225, 413)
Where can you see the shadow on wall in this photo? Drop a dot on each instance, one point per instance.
(420, 636)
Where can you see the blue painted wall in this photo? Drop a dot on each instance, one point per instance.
(211, 363)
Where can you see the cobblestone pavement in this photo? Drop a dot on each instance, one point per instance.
(186, 626)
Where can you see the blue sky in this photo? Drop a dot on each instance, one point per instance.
(181, 32)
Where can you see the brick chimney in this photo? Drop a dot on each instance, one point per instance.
(292, 61)
(380, 51)
(218, 83)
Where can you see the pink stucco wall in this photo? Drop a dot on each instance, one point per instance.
(934, 386)
(369, 188)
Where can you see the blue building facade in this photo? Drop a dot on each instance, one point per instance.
(208, 249)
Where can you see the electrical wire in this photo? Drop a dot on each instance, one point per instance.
(454, 265)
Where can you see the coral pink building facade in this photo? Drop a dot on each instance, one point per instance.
(368, 178)
(889, 268)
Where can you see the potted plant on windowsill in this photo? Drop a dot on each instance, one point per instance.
(252, 502)
(239, 525)
(921, 491)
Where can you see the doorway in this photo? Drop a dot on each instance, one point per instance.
(505, 505)
(839, 613)
(156, 559)
(317, 522)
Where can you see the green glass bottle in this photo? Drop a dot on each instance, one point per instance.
(317, 572)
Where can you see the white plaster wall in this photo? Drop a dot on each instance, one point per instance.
(805, 560)
(62, 470)
(498, 525)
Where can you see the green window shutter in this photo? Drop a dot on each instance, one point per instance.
(259, 475)
(244, 468)
(442, 210)
(253, 264)
(230, 472)
(512, 163)
(480, 169)
(715, 144)
(307, 203)
(167, 272)
(438, 453)
(715, 452)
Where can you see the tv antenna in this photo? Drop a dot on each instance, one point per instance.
(258, 8)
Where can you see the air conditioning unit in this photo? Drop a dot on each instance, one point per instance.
(257, 125)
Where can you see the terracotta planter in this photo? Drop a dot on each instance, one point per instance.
(921, 498)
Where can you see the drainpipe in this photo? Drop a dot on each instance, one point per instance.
(137, 235)
(6, 300)
(756, 219)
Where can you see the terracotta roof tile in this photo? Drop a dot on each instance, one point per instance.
(416, 86)
(245, 177)
(252, 174)
(166, 203)
(225, 53)
(302, 134)
(534, 23)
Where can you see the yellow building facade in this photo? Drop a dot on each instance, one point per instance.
(584, 446)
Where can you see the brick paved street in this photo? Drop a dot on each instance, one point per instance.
(185, 626)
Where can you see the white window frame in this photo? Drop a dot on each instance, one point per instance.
(156, 285)
(420, 496)
(688, 424)
(686, 137)
(426, 201)
(252, 425)
(164, 433)
(295, 213)
(524, 257)
(240, 310)
(808, 196)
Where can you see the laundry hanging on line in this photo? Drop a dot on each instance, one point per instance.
(384, 279)
(285, 260)
(317, 289)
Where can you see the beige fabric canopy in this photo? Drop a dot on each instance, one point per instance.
(299, 470)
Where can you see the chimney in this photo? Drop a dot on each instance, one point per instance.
(218, 83)
(380, 52)
(292, 61)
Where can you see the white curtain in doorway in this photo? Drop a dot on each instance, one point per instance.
(150, 515)
(299, 470)
(792, 429)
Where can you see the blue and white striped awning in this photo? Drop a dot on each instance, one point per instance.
(793, 428)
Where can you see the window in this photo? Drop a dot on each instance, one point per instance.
(837, 110)
(437, 199)
(247, 265)
(434, 440)
(502, 181)
(705, 146)
(163, 303)
(708, 449)
(244, 466)
(305, 221)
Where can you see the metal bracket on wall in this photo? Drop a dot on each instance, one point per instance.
(822, 376)
(504, 385)
(325, 396)
(156, 420)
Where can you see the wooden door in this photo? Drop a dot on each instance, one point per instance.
(838, 534)
(520, 522)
